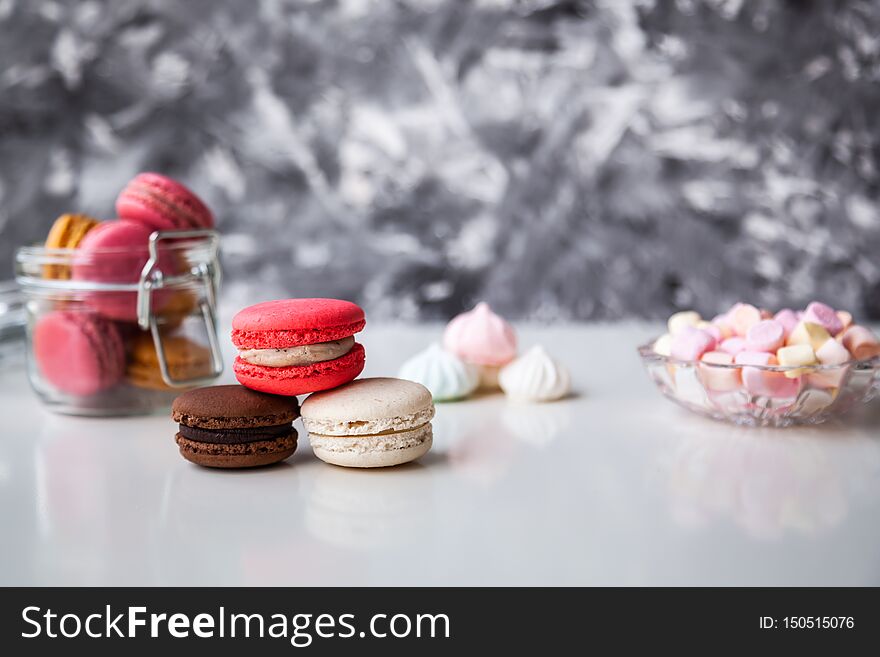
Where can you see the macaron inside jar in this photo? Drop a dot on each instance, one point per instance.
(162, 203)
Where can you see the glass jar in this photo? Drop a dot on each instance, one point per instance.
(12, 322)
(121, 331)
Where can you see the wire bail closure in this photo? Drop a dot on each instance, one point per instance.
(152, 278)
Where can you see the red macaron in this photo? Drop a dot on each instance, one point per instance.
(316, 334)
(78, 353)
(162, 203)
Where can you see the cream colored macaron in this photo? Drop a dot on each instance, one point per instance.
(370, 423)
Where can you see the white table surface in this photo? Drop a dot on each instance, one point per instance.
(616, 486)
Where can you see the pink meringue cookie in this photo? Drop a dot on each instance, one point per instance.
(691, 343)
(481, 337)
(823, 315)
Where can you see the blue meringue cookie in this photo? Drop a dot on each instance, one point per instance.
(443, 373)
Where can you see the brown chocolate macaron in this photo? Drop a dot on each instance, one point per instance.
(234, 427)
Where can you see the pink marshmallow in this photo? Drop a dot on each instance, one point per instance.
(766, 335)
(823, 315)
(690, 343)
(761, 382)
(755, 358)
(788, 319)
(733, 345)
(861, 342)
(743, 317)
(716, 332)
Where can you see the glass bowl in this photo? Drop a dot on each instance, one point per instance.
(774, 396)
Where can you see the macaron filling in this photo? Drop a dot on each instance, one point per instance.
(283, 444)
(235, 436)
(373, 427)
(298, 356)
(365, 444)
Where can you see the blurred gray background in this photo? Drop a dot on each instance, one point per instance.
(559, 159)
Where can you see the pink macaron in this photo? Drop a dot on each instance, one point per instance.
(115, 252)
(297, 346)
(162, 203)
(78, 353)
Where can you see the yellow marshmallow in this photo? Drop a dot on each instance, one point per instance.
(797, 354)
(678, 321)
(807, 333)
(663, 345)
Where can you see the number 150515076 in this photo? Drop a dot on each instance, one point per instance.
(808, 622)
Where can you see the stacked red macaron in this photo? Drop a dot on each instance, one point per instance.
(81, 350)
(298, 346)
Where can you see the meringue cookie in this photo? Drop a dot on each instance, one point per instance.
(443, 373)
(535, 377)
(481, 337)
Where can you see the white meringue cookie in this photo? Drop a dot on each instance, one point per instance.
(443, 373)
(535, 377)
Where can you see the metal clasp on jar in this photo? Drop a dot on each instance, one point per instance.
(152, 278)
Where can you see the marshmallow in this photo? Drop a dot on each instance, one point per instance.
(845, 318)
(763, 382)
(691, 343)
(719, 379)
(742, 317)
(766, 335)
(716, 331)
(861, 342)
(835, 356)
(679, 321)
(823, 315)
(788, 319)
(808, 333)
(794, 355)
(733, 345)
(832, 353)
(720, 322)
(663, 345)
